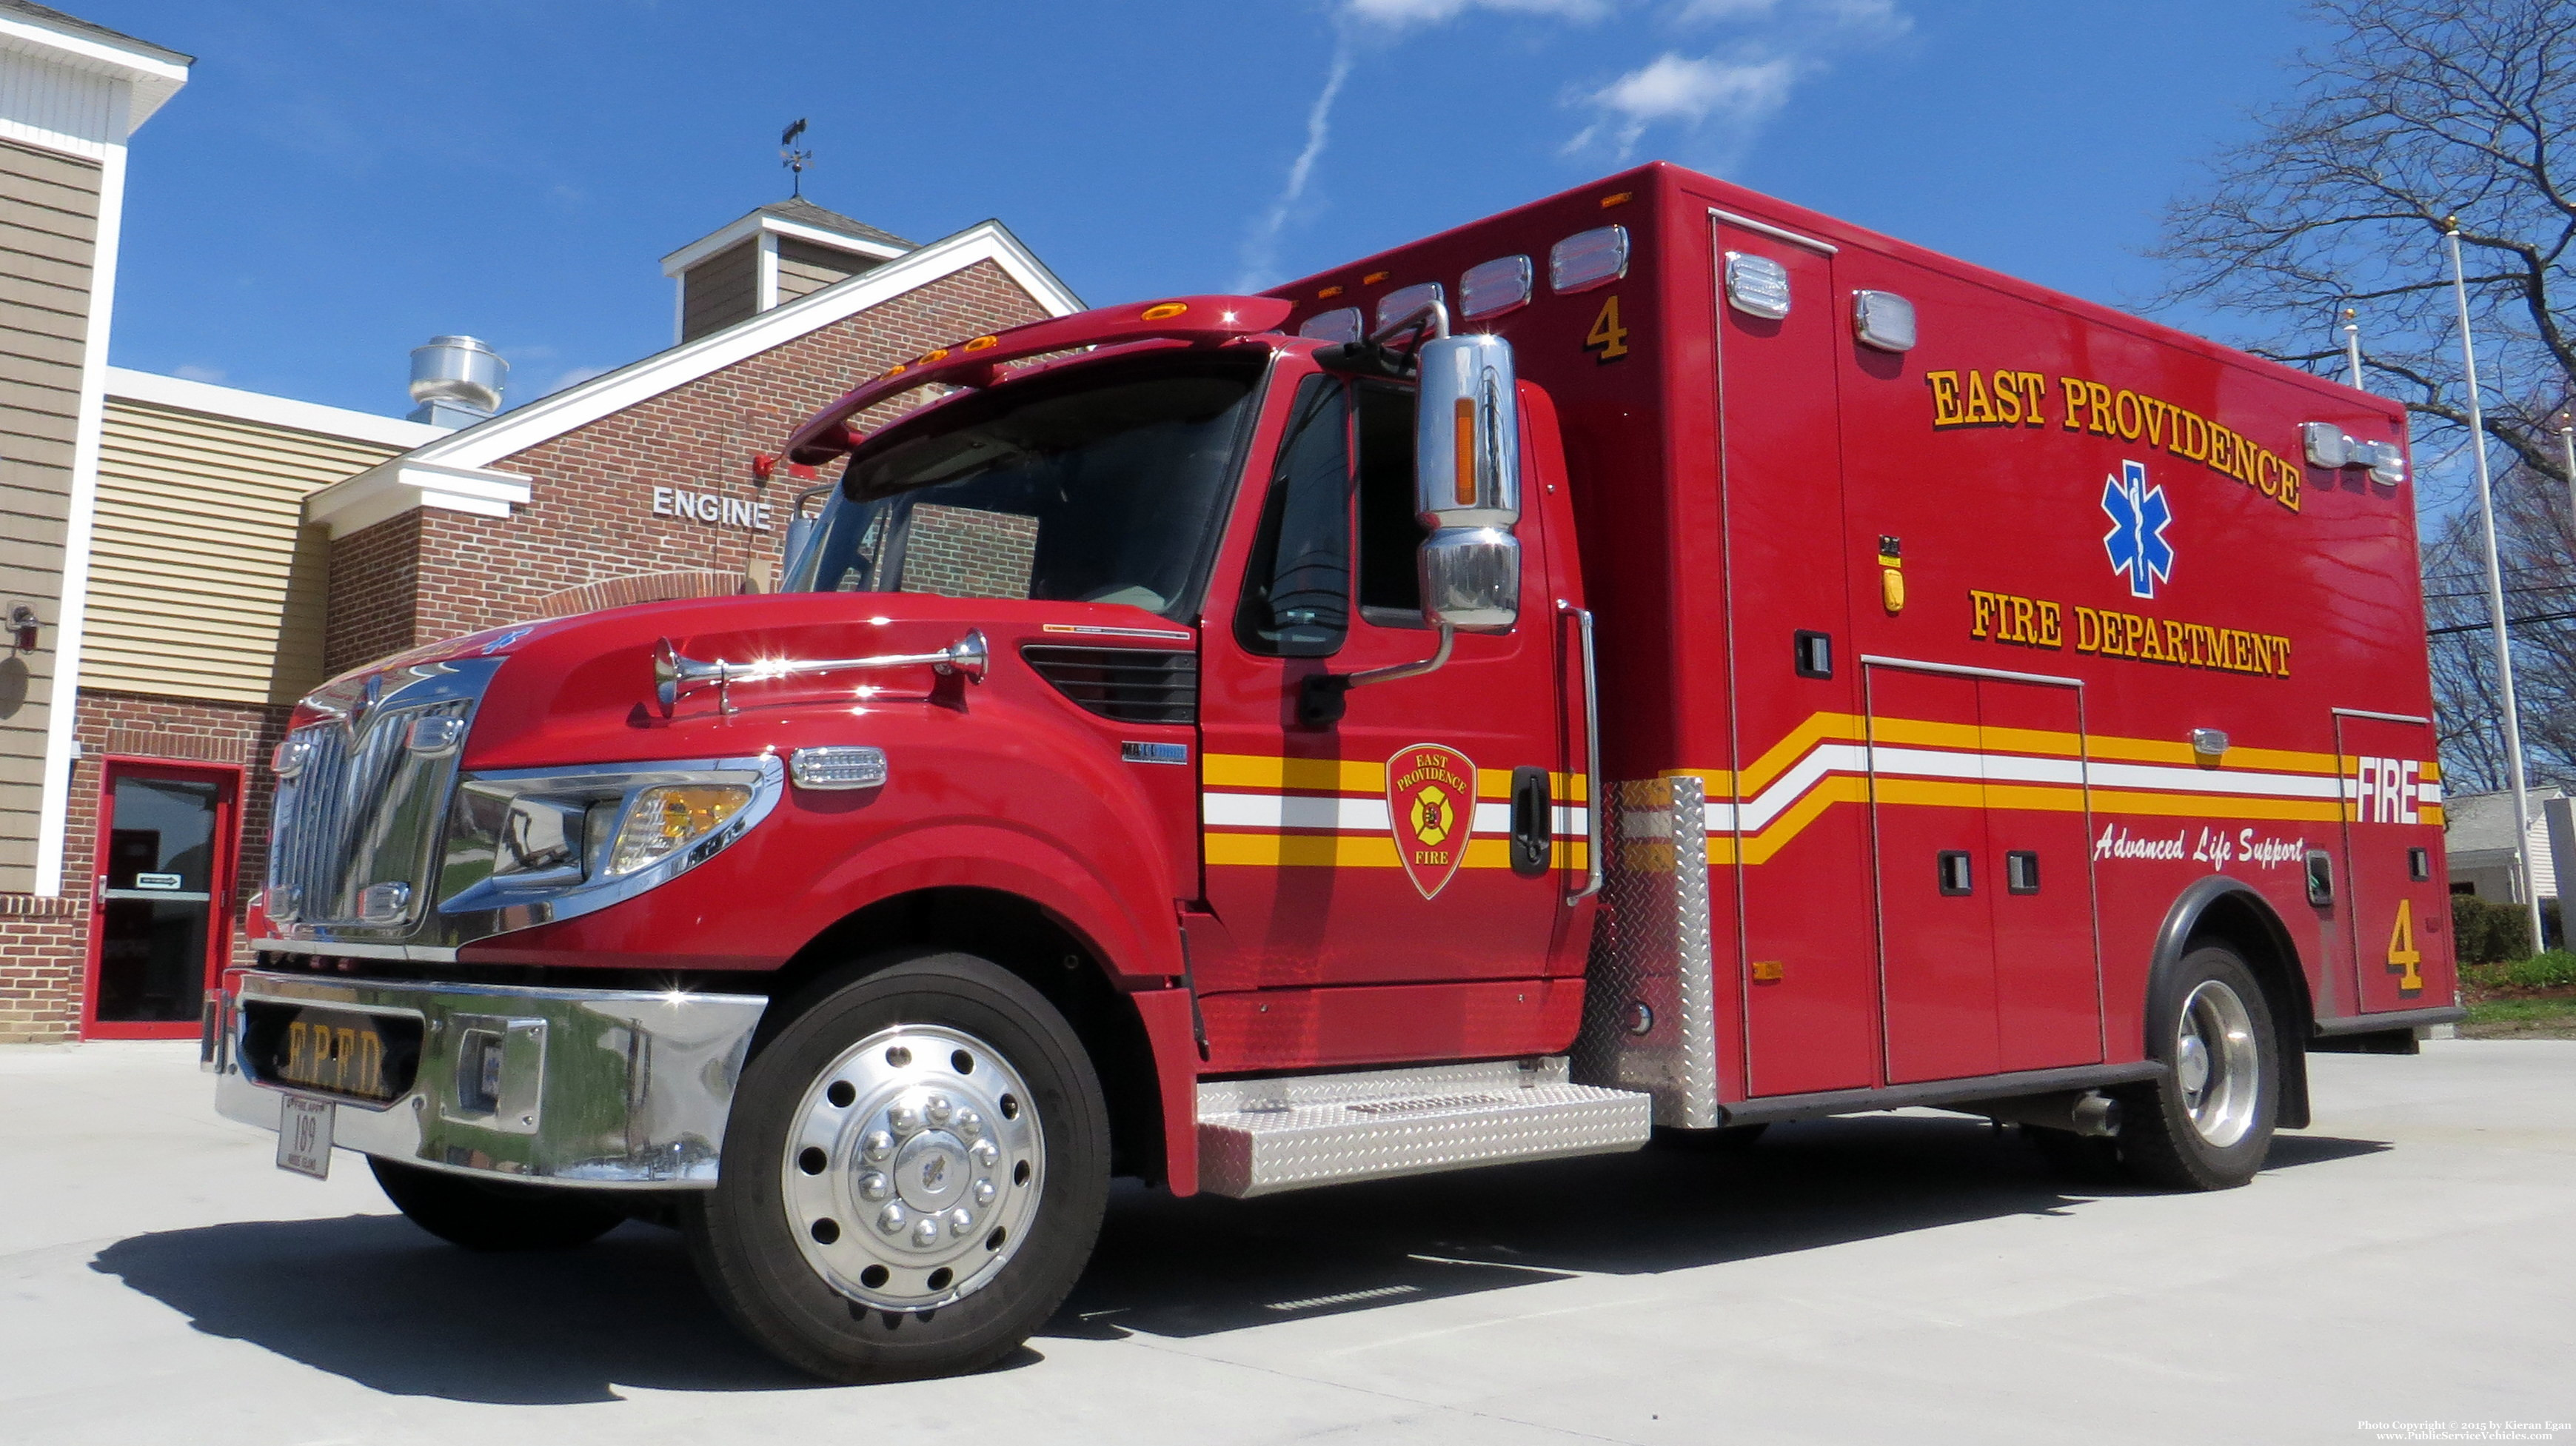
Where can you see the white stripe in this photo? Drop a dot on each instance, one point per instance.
(1347, 813)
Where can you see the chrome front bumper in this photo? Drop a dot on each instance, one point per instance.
(602, 1088)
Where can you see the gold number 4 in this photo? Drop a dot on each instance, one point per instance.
(1607, 336)
(2403, 957)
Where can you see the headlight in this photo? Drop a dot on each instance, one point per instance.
(662, 821)
(526, 844)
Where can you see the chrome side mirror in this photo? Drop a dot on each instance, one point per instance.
(1467, 483)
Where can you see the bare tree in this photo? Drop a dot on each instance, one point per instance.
(2418, 111)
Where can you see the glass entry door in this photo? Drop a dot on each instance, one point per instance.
(164, 887)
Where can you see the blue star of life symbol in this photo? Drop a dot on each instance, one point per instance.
(2136, 540)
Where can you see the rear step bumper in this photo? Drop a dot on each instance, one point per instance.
(1263, 1136)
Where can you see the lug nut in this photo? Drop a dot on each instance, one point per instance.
(904, 1119)
(960, 1222)
(877, 1145)
(938, 1109)
(925, 1231)
(984, 1152)
(893, 1218)
(984, 1192)
(873, 1186)
(969, 1123)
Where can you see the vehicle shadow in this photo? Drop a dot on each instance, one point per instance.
(374, 1299)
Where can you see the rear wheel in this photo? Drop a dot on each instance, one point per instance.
(482, 1214)
(2208, 1124)
(914, 1174)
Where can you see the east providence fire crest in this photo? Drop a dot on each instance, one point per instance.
(1431, 801)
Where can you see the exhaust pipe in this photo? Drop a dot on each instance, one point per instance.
(2078, 1112)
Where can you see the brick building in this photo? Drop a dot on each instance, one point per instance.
(295, 542)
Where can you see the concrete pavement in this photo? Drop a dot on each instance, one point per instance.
(1912, 1277)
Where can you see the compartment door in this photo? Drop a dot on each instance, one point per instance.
(2389, 774)
(2048, 979)
(1798, 845)
(1935, 884)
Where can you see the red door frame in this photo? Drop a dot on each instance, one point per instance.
(222, 877)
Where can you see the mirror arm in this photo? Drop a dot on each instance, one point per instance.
(1323, 697)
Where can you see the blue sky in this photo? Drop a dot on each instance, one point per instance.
(340, 181)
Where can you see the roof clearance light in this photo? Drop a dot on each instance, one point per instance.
(1757, 285)
(1883, 320)
(1588, 258)
(1166, 311)
(1394, 305)
(1374, 277)
(1335, 326)
(1617, 198)
(982, 343)
(1328, 293)
(1499, 285)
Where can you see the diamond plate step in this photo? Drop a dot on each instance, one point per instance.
(1262, 1136)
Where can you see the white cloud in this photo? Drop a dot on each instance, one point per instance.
(192, 372)
(1740, 95)
(1406, 14)
(1261, 249)
(1723, 99)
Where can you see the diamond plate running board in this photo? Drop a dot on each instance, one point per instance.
(1262, 1136)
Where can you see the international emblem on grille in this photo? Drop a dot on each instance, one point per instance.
(1431, 800)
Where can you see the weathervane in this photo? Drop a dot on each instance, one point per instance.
(793, 159)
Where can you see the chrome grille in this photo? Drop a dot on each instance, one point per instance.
(364, 809)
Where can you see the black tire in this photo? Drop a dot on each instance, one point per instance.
(495, 1214)
(785, 1151)
(2208, 1124)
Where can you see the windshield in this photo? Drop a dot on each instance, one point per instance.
(1099, 484)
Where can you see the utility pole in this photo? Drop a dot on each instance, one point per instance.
(2495, 594)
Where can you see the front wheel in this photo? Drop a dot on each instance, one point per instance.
(914, 1174)
(2208, 1124)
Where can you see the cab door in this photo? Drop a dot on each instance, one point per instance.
(1411, 840)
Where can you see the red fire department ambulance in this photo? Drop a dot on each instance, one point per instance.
(1658, 657)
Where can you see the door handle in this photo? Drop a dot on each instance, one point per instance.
(1957, 873)
(2021, 871)
(1533, 821)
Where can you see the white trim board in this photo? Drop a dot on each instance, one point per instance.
(760, 223)
(181, 394)
(155, 74)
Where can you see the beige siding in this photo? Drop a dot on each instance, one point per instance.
(721, 290)
(204, 582)
(48, 225)
(805, 268)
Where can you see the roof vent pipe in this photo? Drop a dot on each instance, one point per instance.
(457, 381)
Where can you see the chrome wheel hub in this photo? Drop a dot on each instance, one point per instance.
(914, 1168)
(2217, 1064)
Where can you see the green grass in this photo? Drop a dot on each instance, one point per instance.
(2521, 1019)
(2555, 969)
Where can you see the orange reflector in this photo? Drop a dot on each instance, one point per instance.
(1617, 198)
(982, 343)
(1466, 480)
(1328, 293)
(1165, 311)
(939, 354)
(1374, 277)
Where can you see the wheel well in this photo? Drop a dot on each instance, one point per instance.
(2242, 923)
(1039, 948)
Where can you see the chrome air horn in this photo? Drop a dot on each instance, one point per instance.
(675, 675)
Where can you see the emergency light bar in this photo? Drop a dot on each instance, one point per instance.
(978, 363)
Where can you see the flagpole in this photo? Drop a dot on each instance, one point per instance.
(2352, 347)
(2495, 593)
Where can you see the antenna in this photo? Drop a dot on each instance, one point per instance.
(793, 159)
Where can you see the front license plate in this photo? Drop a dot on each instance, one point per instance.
(304, 1136)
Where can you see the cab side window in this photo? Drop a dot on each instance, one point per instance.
(1390, 534)
(1296, 590)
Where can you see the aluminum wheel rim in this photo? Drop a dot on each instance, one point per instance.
(914, 1167)
(2217, 1063)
